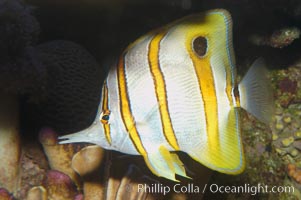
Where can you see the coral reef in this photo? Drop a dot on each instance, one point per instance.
(25, 72)
(58, 83)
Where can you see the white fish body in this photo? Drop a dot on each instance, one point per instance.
(175, 90)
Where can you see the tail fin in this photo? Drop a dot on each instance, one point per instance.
(256, 92)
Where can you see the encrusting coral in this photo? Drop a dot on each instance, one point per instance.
(37, 193)
(59, 156)
(278, 39)
(294, 172)
(93, 175)
(5, 195)
(59, 186)
(93, 157)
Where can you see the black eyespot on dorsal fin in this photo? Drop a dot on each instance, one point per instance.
(200, 45)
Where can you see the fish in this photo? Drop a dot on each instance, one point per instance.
(176, 89)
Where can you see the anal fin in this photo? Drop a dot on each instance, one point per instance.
(165, 164)
(178, 165)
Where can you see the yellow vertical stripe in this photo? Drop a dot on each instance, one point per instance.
(125, 108)
(105, 107)
(205, 77)
(153, 59)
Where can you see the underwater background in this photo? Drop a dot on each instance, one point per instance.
(54, 56)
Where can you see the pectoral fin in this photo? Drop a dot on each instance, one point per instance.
(165, 164)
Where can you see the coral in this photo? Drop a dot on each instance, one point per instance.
(287, 141)
(25, 75)
(20, 71)
(59, 186)
(73, 84)
(29, 70)
(284, 37)
(37, 193)
(294, 172)
(287, 85)
(126, 188)
(286, 125)
(79, 197)
(287, 119)
(59, 156)
(4, 195)
(18, 29)
(10, 148)
(278, 39)
(99, 178)
(32, 170)
(92, 156)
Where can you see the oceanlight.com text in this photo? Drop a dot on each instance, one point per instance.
(250, 189)
(191, 188)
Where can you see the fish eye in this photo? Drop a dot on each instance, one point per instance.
(200, 45)
(105, 117)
